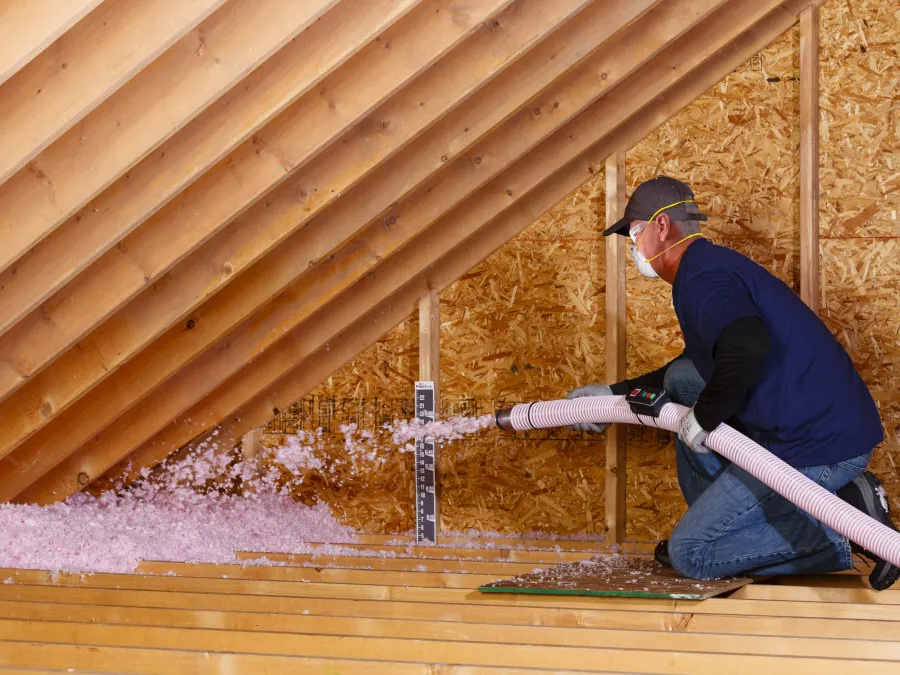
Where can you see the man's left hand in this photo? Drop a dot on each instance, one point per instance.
(692, 434)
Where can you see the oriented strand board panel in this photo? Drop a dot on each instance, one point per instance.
(615, 576)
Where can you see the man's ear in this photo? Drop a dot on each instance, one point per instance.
(665, 225)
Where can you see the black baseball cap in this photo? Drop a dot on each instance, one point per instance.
(654, 196)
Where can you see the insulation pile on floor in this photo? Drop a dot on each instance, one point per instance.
(204, 507)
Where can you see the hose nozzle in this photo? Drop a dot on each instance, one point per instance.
(504, 419)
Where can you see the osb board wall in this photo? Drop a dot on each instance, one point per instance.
(528, 322)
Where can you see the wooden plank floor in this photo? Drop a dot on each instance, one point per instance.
(387, 606)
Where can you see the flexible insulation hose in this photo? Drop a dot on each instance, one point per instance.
(750, 456)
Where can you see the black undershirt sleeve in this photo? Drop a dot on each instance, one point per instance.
(739, 355)
(652, 379)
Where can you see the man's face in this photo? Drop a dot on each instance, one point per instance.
(638, 230)
(644, 246)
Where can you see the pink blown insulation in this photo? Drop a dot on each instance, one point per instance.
(753, 458)
(209, 505)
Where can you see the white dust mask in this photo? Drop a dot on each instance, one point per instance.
(639, 259)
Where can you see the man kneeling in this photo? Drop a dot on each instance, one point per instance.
(757, 358)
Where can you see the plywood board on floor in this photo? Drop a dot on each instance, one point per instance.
(615, 576)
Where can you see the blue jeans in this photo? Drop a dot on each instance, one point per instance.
(735, 524)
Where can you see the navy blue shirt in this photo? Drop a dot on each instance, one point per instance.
(809, 404)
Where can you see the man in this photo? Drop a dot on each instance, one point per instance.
(758, 359)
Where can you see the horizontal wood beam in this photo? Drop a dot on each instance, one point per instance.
(332, 330)
(232, 119)
(228, 610)
(328, 575)
(28, 27)
(317, 285)
(171, 91)
(668, 656)
(87, 64)
(23, 614)
(249, 238)
(506, 543)
(425, 552)
(455, 596)
(824, 594)
(31, 655)
(400, 563)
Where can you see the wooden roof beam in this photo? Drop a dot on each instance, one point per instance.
(260, 164)
(232, 119)
(250, 398)
(292, 259)
(28, 27)
(87, 64)
(170, 92)
(255, 233)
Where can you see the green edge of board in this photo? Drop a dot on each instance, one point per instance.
(617, 594)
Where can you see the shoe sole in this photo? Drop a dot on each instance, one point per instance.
(888, 574)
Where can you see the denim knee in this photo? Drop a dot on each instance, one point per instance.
(683, 553)
(683, 382)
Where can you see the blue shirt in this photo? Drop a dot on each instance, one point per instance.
(809, 405)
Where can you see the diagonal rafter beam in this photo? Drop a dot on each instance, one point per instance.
(338, 338)
(28, 27)
(563, 159)
(298, 254)
(269, 158)
(179, 85)
(448, 90)
(87, 64)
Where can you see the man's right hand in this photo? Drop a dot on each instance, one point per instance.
(590, 390)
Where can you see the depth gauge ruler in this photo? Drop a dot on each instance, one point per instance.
(426, 471)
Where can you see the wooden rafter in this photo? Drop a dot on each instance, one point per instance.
(250, 398)
(257, 232)
(262, 163)
(85, 66)
(177, 87)
(27, 27)
(521, 133)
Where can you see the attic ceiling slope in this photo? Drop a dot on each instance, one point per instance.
(203, 227)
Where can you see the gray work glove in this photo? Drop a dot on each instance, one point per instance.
(692, 434)
(590, 390)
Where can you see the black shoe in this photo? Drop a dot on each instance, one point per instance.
(661, 553)
(866, 493)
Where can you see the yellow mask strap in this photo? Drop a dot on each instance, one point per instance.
(690, 236)
(653, 217)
